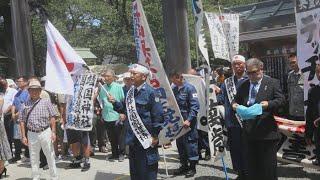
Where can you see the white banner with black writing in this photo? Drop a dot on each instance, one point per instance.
(80, 106)
(201, 88)
(224, 32)
(136, 124)
(308, 40)
(215, 133)
(199, 30)
(147, 55)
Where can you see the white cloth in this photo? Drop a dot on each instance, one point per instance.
(62, 62)
(139, 68)
(36, 142)
(8, 98)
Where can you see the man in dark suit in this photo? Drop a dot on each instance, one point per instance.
(262, 131)
(312, 115)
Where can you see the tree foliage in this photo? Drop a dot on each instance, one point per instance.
(105, 26)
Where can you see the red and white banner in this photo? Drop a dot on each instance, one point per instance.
(62, 62)
(147, 55)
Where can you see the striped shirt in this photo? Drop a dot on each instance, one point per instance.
(39, 117)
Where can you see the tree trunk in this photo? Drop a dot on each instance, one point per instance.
(176, 36)
(22, 40)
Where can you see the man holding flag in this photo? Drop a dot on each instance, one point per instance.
(145, 117)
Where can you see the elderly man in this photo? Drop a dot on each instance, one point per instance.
(295, 90)
(114, 125)
(260, 131)
(226, 97)
(145, 118)
(37, 117)
(187, 99)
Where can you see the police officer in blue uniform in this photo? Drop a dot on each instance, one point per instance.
(187, 99)
(143, 162)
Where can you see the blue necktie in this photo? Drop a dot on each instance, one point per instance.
(253, 94)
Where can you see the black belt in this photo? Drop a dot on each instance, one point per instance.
(38, 130)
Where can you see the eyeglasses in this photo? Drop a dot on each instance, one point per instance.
(253, 72)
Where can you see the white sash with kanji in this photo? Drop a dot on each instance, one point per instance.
(231, 92)
(136, 124)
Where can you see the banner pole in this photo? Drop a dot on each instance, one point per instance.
(224, 168)
(165, 161)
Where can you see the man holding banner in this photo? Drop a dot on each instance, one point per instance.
(187, 99)
(145, 118)
(235, 134)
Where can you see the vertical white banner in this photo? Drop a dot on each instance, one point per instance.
(224, 32)
(198, 13)
(148, 55)
(308, 40)
(80, 107)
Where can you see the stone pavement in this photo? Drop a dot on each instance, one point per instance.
(105, 170)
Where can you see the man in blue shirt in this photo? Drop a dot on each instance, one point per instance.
(187, 99)
(19, 101)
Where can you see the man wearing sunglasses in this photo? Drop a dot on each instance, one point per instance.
(261, 131)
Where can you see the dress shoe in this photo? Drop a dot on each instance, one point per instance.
(181, 170)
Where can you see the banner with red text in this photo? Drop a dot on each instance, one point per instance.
(147, 55)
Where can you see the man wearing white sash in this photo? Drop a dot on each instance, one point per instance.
(235, 138)
(144, 121)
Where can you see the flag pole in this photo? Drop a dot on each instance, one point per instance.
(165, 161)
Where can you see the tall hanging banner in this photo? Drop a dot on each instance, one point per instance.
(147, 55)
(80, 107)
(308, 40)
(224, 32)
(61, 63)
(198, 13)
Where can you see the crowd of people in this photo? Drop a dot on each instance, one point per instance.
(34, 121)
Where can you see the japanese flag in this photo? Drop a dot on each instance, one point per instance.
(62, 62)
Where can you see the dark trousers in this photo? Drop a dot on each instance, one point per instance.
(17, 147)
(8, 125)
(101, 132)
(139, 168)
(203, 142)
(93, 133)
(262, 159)
(43, 159)
(238, 149)
(317, 142)
(114, 134)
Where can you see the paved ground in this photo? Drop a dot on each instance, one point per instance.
(104, 170)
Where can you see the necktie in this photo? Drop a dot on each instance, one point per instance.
(253, 94)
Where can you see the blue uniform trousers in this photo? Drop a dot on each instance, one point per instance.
(188, 147)
(139, 164)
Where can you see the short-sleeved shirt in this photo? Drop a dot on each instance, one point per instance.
(39, 117)
(116, 91)
(20, 99)
(8, 98)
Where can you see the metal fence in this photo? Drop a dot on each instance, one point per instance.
(277, 67)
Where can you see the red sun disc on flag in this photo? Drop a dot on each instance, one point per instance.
(69, 66)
